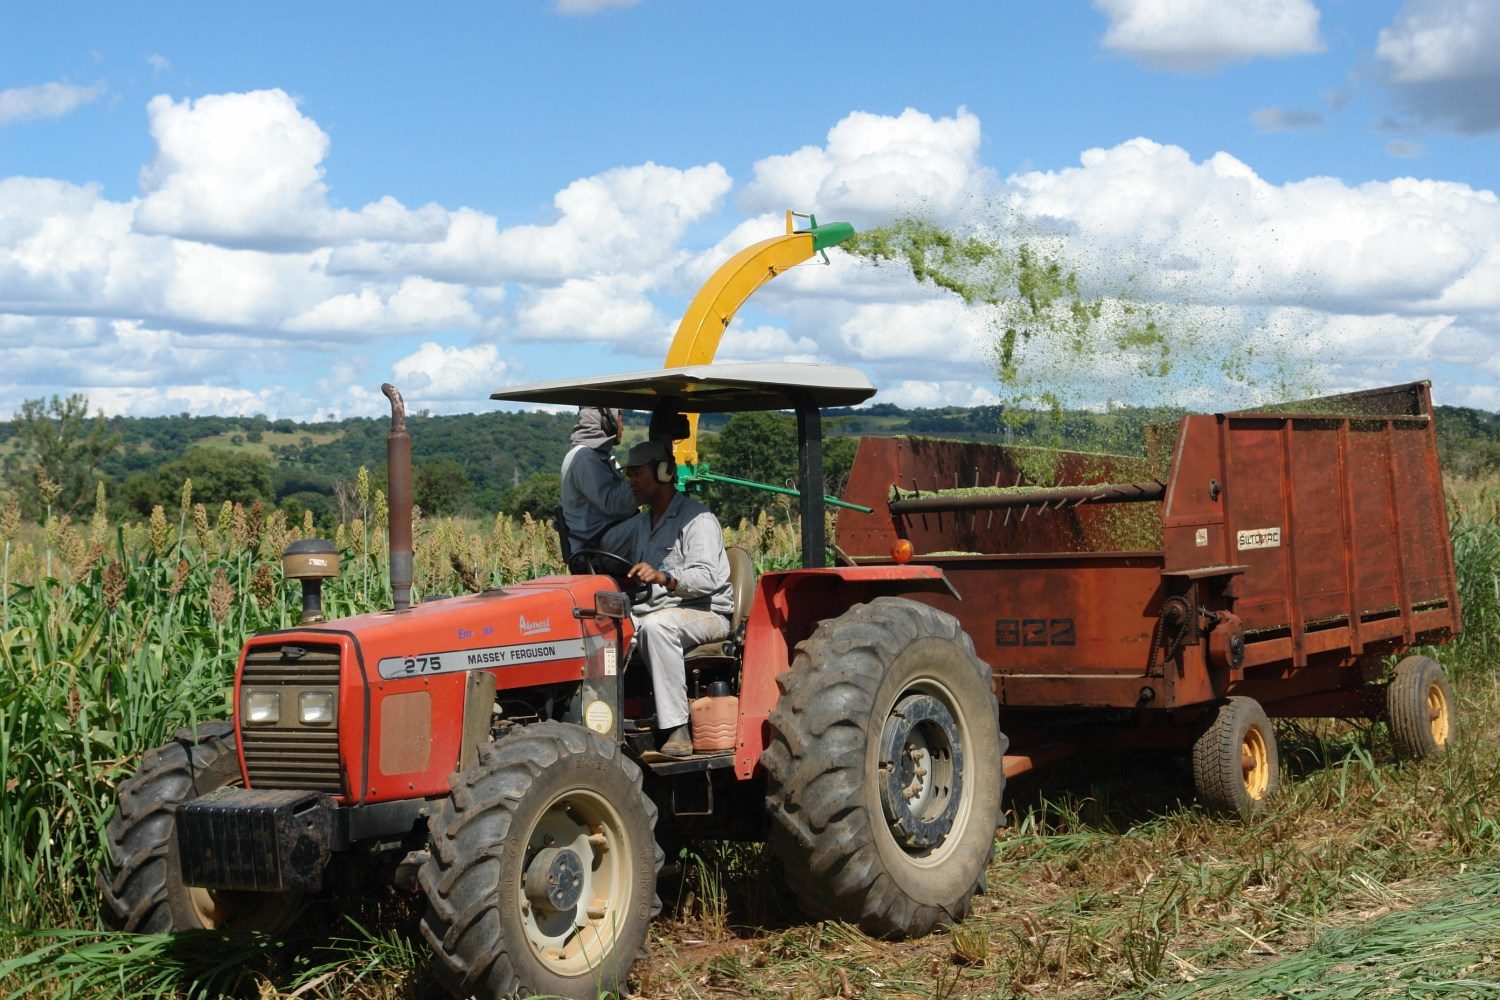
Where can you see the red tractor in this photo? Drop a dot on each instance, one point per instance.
(496, 743)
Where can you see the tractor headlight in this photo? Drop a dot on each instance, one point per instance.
(262, 708)
(315, 708)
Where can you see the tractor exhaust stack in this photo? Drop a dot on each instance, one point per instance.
(398, 475)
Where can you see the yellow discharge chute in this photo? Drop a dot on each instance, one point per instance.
(702, 327)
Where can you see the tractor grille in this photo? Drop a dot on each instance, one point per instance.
(291, 755)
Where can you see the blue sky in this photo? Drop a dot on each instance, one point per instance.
(272, 208)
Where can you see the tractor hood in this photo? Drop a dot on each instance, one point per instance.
(528, 624)
(387, 705)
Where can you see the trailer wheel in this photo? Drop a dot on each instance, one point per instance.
(1236, 767)
(886, 769)
(1420, 709)
(542, 873)
(141, 886)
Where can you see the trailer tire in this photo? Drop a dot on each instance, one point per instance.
(854, 845)
(549, 819)
(1236, 766)
(1420, 709)
(141, 884)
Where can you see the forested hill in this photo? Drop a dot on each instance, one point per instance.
(507, 461)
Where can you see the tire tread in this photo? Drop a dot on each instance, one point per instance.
(820, 829)
(468, 831)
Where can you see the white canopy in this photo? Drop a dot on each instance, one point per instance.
(729, 388)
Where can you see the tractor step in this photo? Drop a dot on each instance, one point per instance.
(666, 766)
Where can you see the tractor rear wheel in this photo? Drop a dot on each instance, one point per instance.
(1420, 709)
(142, 885)
(886, 769)
(543, 866)
(1236, 767)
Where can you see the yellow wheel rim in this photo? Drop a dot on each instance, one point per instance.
(1255, 762)
(574, 939)
(1439, 715)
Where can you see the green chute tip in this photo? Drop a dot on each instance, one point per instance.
(830, 235)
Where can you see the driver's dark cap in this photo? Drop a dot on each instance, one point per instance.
(648, 453)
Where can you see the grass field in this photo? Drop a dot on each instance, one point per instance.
(1367, 878)
(268, 439)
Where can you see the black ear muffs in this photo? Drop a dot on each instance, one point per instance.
(609, 423)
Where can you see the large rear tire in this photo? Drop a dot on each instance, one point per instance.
(886, 769)
(1236, 765)
(1420, 709)
(142, 887)
(543, 867)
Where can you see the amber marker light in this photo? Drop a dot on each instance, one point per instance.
(901, 551)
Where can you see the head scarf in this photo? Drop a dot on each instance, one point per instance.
(590, 429)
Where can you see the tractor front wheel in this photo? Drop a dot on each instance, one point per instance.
(1236, 767)
(886, 769)
(142, 885)
(1420, 709)
(542, 873)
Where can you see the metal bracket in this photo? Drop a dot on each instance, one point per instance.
(689, 807)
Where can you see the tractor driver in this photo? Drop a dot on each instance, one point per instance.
(677, 547)
(594, 497)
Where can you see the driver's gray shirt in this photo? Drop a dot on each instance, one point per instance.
(687, 544)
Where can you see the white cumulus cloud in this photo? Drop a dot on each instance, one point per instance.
(415, 306)
(940, 330)
(1203, 35)
(610, 307)
(438, 374)
(244, 170)
(627, 218)
(1218, 232)
(874, 167)
(923, 394)
(1438, 57)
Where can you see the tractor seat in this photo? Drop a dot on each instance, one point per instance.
(742, 589)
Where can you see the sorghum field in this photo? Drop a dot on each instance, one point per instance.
(1366, 879)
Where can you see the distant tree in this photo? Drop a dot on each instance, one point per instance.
(538, 495)
(441, 488)
(838, 459)
(64, 445)
(321, 505)
(217, 475)
(763, 447)
(756, 446)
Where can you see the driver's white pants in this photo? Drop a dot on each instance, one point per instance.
(663, 635)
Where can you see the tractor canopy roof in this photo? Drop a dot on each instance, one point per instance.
(730, 388)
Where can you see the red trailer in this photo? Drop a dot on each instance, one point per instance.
(1264, 563)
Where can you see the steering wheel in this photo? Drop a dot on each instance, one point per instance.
(617, 566)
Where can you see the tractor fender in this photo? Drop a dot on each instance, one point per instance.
(787, 606)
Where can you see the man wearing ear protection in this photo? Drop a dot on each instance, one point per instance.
(594, 496)
(677, 547)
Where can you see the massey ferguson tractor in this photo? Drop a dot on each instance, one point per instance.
(497, 744)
